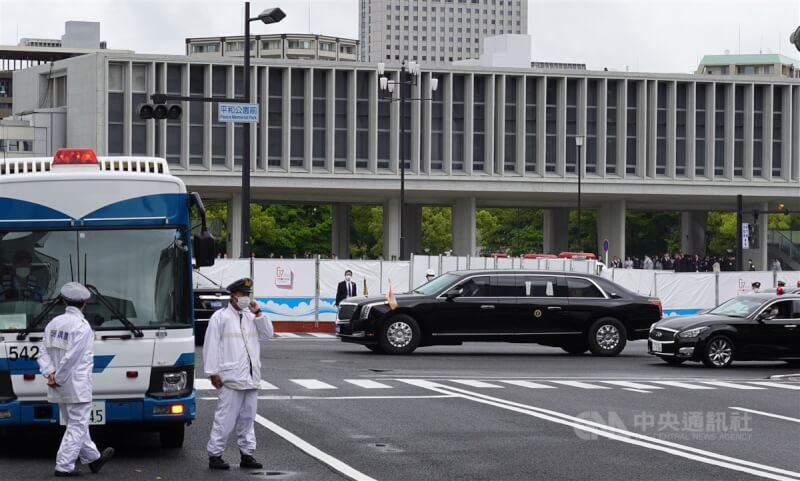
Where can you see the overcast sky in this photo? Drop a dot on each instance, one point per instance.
(641, 35)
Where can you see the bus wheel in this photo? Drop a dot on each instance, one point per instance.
(172, 436)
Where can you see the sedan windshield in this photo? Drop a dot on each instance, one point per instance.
(437, 285)
(143, 274)
(738, 307)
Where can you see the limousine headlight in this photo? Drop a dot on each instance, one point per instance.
(692, 332)
(367, 308)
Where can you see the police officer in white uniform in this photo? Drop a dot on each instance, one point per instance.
(232, 361)
(66, 360)
(430, 275)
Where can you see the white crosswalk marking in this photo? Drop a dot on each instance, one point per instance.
(778, 385)
(731, 385)
(266, 385)
(473, 383)
(203, 385)
(321, 334)
(367, 384)
(581, 385)
(286, 334)
(684, 385)
(528, 384)
(421, 383)
(633, 385)
(313, 384)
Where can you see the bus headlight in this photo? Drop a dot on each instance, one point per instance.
(173, 381)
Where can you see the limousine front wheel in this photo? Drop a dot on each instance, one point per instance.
(607, 337)
(400, 335)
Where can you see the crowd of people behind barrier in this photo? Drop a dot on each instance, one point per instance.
(686, 263)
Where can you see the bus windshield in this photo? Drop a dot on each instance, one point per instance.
(143, 273)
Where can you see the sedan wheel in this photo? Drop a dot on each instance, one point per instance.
(718, 352)
(607, 337)
(399, 335)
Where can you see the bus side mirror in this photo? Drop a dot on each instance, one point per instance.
(203, 249)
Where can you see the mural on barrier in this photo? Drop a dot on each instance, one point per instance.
(297, 308)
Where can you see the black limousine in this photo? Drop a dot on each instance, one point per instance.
(746, 328)
(576, 312)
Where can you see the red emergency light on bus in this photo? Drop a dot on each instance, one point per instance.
(577, 255)
(74, 157)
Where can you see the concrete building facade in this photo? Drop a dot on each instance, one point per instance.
(767, 64)
(488, 138)
(297, 46)
(435, 31)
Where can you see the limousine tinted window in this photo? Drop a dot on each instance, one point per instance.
(539, 286)
(475, 287)
(582, 288)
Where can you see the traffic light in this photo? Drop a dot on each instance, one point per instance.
(159, 111)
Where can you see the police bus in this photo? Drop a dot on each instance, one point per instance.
(121, 226)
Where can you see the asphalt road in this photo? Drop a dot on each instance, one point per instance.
(333, 411)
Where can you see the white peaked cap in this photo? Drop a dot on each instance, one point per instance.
(75, 291)
(430, 273)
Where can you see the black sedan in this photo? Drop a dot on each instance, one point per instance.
(576, 312)
(747, 328)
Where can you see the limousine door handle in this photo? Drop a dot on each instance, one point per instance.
(554, 308)
(488, 307)
(790, 326)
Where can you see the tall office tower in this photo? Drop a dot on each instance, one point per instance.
(435, 31)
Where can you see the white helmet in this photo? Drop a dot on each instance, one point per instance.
(430, 272)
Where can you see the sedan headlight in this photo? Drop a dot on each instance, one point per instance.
(173, 381)
(692, 332)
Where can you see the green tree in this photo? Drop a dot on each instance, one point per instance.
(652, 233)
(437, 231)
(515, 231)
(366, 231)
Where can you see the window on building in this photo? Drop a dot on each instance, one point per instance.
(631, 136)
(219, 130)
(298, 117)
(551, 131)
(680, 128)
(530, 123)
(510, 119)
(437, 127)
(777, 130)
(479, 124)
(320, 118)
(719, 129)
(362, 120)
(758, 130)
(590, 162)
(612, 101)
(275, 116)
(738, 131)
(205, 48)
(340, 120)
(196, 115)
(701, 132)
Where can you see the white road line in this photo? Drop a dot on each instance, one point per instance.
(266, 385)
(367, 384)
(780, 385)
(684, 385)
(582, 385)
(322, 335)
(203, 385)
(286, 334)
(340, 398)
(528, 384)
(762, 413)
(625, 436)
(743, 387)
(313, 384)
(314, 452)
(632, 385)
(474, 383)
(637, 390)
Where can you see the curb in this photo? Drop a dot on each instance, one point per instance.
(326, 327)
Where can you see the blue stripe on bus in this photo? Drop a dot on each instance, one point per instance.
(185, 359)
(30, 366)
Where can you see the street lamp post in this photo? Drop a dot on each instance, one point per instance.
(578, 145)
(409, 74)
(268, 16)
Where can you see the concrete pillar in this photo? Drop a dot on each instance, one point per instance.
(693, 232)
(760, 255)
(391, 229)
(611, 226)
(412, 218)
(235, 226)
(340, 230)
(464, 230)
(556, 230)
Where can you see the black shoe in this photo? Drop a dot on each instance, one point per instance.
(249, 462)
(98, 463)
(67, 474)
(216, 462)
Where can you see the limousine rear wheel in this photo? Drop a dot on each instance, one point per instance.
(607, 337)
(400, 334)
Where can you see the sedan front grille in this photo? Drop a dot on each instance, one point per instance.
(662, 335)
(346, 311)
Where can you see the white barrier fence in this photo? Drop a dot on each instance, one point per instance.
(305, 289)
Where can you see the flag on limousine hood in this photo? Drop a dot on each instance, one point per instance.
(366, 292)
(390, 297)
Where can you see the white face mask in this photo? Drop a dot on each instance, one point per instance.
(23, 271)
(347, 278)
(429, 278)
(243, 302)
